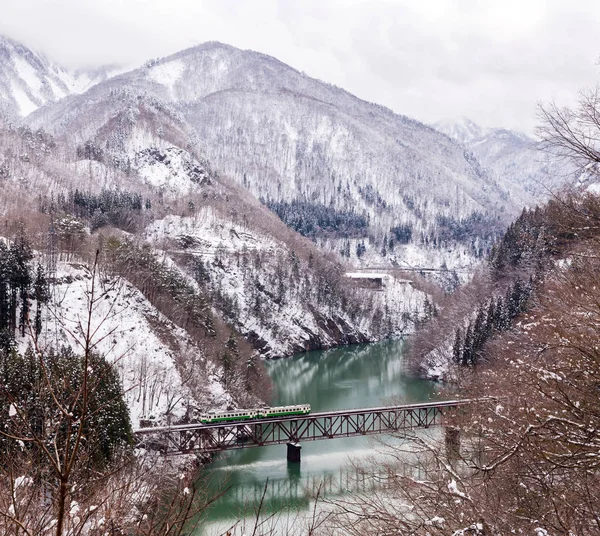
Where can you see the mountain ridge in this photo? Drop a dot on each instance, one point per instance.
(510, 154)
(286, 136)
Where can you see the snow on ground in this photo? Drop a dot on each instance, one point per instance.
(80, 82)
(98, 173)
(168, 73)
(213, 236)
(282, 327)
(125, 327)
(170, 168)
(414, 256)
(160, 174)
(58, 92)
(210, 231)
(366, 275)
(593, 188)
(270, 301)
(410, 256)
(139, 139)
(29, 76)
(26, 105)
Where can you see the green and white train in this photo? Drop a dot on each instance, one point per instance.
(259, 413)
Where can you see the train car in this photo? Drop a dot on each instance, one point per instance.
(225, 416)
(284, 411)
(260, 413)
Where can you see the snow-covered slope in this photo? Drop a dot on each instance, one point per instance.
(29, 80)
(202, 261)
(461, 129)
(123, 324)
(282, 298)
(511, 158)
(161, 169)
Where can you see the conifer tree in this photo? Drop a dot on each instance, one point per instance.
(457, 347)
(468, 357)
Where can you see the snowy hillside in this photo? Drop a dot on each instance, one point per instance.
(462, 129)
(210, 279)
(161, 170)
(151, 363)
(29, 80)
(511, 158)
(277, 296)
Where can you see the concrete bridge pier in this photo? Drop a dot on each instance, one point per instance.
(293, 452)
(452, 437)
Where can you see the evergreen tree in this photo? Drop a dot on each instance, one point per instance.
(490, 315)
(36, 390)
(468, 357)
(479, 333)
(457, 347)
(41, 294)
(229, 359)
(252, 373)
(384, 243)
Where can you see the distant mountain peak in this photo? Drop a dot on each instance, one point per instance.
(461, 129)
(29, 79)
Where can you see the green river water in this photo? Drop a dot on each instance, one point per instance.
(348, 377)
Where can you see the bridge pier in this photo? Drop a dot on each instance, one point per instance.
(293, 452)
(452, 437)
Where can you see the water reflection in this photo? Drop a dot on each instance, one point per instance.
(353, 376)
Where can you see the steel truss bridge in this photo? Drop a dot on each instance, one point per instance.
(291, 430)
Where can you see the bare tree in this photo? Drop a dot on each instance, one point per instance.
(573, 134)
(529, 460)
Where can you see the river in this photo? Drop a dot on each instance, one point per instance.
(347, 377)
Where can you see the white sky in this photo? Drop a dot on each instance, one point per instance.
(490, 60)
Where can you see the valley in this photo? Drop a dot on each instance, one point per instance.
(194, 207)
(214, 230)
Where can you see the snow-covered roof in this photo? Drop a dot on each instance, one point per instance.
(365, 275)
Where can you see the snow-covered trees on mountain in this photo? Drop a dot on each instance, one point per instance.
(514, 159)
(171, 153)
(524, 455)
(286, 138)
(217, 263)
(203, 188)
(67, 465)
(528, 455)
(29, 80)
(501, 290)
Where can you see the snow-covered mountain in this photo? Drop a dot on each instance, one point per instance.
(461, 129)
(29, 80)
(200, 261)
(289, 138)
(161, 169)
(509, 157)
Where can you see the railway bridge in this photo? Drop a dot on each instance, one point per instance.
(292, 430)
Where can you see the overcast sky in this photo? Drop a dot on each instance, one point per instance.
(490, 60)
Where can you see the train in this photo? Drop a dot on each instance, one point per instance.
(257, 413)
